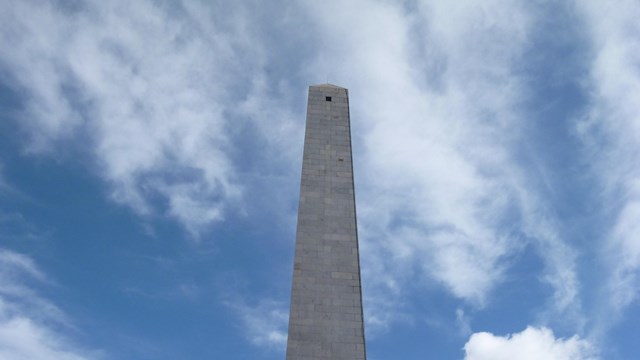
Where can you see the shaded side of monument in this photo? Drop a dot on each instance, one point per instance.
(326, 320)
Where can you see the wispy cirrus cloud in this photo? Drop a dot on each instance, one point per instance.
(264, 324)
(149, 90)
(436, 105)
(157, 93)
(32, 327)
(155, 89)
(610, 131)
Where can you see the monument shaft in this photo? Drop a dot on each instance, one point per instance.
(326, 320)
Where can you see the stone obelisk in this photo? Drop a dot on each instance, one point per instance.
(326, 320)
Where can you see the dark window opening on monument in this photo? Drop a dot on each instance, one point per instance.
(328, 98)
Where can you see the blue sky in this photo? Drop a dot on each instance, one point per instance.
(150, 157)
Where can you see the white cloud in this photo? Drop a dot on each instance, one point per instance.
(435, 98)
(264, 324)
(435, 95)
(31, 326)
(610, 133)
(530, 344)
(462, 321)
(148, 87)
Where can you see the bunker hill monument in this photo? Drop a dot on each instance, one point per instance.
(326, 320)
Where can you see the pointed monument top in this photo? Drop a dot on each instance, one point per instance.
(327, 85)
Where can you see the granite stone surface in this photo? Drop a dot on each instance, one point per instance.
(326, 320)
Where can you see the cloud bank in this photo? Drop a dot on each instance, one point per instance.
(530, 344)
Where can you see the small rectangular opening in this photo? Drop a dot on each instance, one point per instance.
(327, 98)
